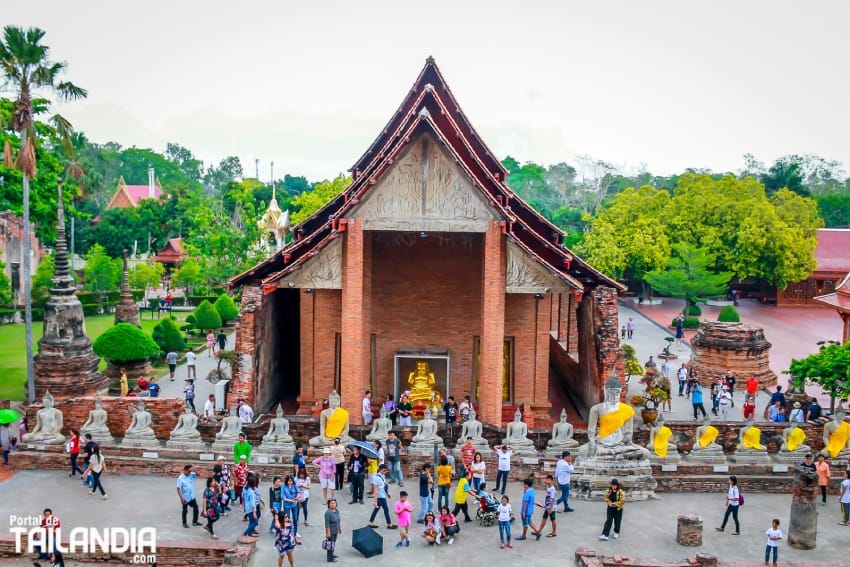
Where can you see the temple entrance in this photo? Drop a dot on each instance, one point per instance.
(287, 348)
(422, 373)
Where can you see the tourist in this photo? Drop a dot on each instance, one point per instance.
(289, 495)
(392, 412)
(299, 459)
(693, 381)
(327, 473)
(56, 559)
(394, 458)
(242, 448)
(222, 476)
(665, 368)
(614, 500)
(724, 401)
(366, 408)
(503, 468)
(50, 523)
(773, 411)
(426, 492)
(550, 505)
(209, 408)
(250, 505)
(776, 397)
(222, 340)
(171, 359)
(240, 476)
(372, 466)
(844, 499)
(451, 411)
(284, 539)
(97, 466)
(461, 493)
(752, 386)
(74, 452)
(449, 527)
(444, 481)
(88, 450)
(275, 501)
(774, 534)
(527, 510)
(302, 481)
(664, 384)
(682, 375)
(465, 408)
(430, 529)
(504, 511)
(797, 414)
(191, 361)
(650, 363)
(338, 454)
(479, 471)
(450, 458)
(680, 328)
(696, 400)
(122, 382)
(357, 464)
(749, 407)
(729, 381)
(189, 391)
(733, 497)
(333, 527)
(467, 455)
(563, 469)
(630, 328)
(246, 413)
(715, 395)
(405, 410)
(403, 510)
(380, 494)
(813, 412)
(142, 386)
(822, 470)
(211, 509)
(780, 416)
(5, 442)
(186, 494)
(210, 344)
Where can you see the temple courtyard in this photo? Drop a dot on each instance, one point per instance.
(649, 528)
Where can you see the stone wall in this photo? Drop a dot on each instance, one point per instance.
(586, 557)
(11, 245)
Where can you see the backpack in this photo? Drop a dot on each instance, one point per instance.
(740, 498)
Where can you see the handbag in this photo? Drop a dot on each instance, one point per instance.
(329, 545)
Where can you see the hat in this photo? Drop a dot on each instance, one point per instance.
(326, 451)
(565, 454)
(221, 458)
(796, 404)
(243, 458)
(615, 482)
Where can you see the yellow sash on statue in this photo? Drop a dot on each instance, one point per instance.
(795, 438)
(611, 422)
(708, 436)
(662, 436)
(336, 423)
(838, 439)
(752, 438)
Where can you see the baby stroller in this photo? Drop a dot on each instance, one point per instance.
(487, 514)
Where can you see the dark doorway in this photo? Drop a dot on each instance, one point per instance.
(288, 348)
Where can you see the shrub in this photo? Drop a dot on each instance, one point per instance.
(226, 308)
(206, 316)
(691, 323)
(167, 336)
(729, 314)
(125, 342)
(694, 310)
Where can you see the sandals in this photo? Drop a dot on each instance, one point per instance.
(551, 535)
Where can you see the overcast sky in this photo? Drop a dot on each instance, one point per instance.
(309, 84)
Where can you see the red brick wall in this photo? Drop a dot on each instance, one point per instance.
(244, 371)
(527, 319)
(492, 324)
(308, 395)
(327, 316)
(356, 312)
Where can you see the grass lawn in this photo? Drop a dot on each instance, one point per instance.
(13, 358)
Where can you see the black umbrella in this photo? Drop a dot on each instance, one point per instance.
(367, 541)
(367, 449)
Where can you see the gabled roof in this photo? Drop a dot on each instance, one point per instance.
(840, 298)
(832, 252)
(130, 195)
(430, 108)
(172, 252)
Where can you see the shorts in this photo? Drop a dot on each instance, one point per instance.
(402, 532)
(172, 367)
(549, 515)
(327, 482)
(526, 521)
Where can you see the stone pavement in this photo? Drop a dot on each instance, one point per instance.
(649, 528)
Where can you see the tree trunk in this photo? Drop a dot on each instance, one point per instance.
(27, 283)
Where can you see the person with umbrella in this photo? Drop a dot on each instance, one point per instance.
(5, 442)
(333, 527)
(357, 473)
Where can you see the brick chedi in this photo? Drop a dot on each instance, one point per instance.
(739, 347)
(65, 363)
(127, 311)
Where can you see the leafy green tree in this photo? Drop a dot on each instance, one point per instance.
(5, 284)
(226, 308)
(167, 336)
(189, 275)
(191, 167)
(311, 201)
(42, 281)
(125, 342)
(785, 173)
(146, 275)
(103, 274)
(687, 275)
(26, 67)
(835, 209)
(206, 316)
(829, 368)
(729, 314)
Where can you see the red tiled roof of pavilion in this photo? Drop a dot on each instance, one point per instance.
(840, 298)
(172, 252)
(424, 109)
(832, 252)
(130, 195)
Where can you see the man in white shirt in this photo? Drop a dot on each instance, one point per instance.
(563, 470)
(246, 414)
(367, 408)
(504, 454)
(191, 358)
(209, 408)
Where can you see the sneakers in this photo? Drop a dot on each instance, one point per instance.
(399, 544)
(603, 537)
(407, 543)
(106, 497)
(451, 540)
(437, 541)
(538, 535)
(510, 546)
(616, 535)
(501, 546)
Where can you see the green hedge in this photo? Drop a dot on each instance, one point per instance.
(694, 310)
(196, 300)
(729, 314)
(688, 323)
(125, 342)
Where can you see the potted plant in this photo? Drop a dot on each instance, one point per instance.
(649, 400)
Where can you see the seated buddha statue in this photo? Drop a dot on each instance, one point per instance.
(516, 435)
(421, 382)
(380, 427)
(96, 424)
(333, 423)
(610, 429)
(426, 432)
(48, 425)
(836, 436)
(749, 447)
(705, 443)
(562, 437)
(231, 427)
(793, 448)
(474, 429)
(659, 441)
(278, 428)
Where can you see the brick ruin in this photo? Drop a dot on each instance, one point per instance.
(11, 245)
(740, 347)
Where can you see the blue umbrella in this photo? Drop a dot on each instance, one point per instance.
(366, 449)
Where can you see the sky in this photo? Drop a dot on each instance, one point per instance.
(660, 85)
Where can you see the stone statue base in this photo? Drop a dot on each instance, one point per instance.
(527, 451)
(751, 458)
(791, 458)
(555, 454)
(425, 447)
(186, 444)
(705, 458)
(672, 458)
(593, 478)
(285, 448)
(102, 439)
(141, 443)
(224, 446)
(482, 446)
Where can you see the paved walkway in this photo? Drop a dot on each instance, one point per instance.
(649, 528)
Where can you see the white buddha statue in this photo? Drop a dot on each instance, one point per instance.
(380, 427)
(140, 433)
(749, 449)
(705, 446)
(516, 435)
(610, 429)
(836, 436)
(793, 448)
(278, 440)
(185, 434)
(333, 423)
(96, 425)
(48, 425)
(426, 433)
(659, 442)
(474, 429)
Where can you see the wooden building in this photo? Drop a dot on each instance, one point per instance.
(832, 256)
(427, 256)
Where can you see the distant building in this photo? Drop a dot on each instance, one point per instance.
(274, 226)
(172, 254)
(130, 195)
(832, 255)
(12, 252)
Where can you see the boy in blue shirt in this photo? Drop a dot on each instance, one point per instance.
(527, 510)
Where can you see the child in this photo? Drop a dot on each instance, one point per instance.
(431, 531)
(403, 510)
(549, 506)
(774, 534)
(505, 512)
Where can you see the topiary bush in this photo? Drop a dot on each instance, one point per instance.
(206, 316)
(694, 310)
(227, 310)
(691, 323)
(729, 314)
(125, 342)
(167, 336)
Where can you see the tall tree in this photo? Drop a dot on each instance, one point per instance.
(102, 272)
(26, 68)
(311, 201)
(687, 275)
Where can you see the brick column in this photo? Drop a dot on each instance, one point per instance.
(244, 372)
(356, 289)
(307, 397)
(492, 326)
(540, 404)
(564, 304)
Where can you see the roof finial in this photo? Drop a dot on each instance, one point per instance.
(430, 60)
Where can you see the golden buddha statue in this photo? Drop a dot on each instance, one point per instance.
(421, 382)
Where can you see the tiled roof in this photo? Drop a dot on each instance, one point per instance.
(832, 253)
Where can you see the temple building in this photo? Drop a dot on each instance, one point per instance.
(427, 274)
(274, 226)
(130, 195)
(171, 255)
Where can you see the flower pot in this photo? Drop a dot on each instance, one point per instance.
(649, 416)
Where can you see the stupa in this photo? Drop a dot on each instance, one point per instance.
(739, 347)
(127, 311)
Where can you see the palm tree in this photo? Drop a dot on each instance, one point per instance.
(26, 67)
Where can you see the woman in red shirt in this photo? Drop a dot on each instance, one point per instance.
(74, 451)
(749, 407)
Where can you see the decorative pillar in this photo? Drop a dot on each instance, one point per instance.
(244, 373)
(307, 397)
(540, 404)
(803, 527)
(492, 341)
(356, 289)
